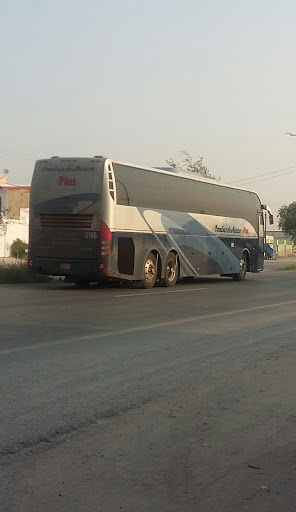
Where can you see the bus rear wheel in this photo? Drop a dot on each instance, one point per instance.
(241, 275)
(150, 271)
(171, 270)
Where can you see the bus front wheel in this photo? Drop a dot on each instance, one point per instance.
(241, 275)
(150, 271)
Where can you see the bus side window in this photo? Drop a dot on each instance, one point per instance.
(122, 195)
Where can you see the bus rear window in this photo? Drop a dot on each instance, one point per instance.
(67, 187)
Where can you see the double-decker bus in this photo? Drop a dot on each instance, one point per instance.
(95, 218)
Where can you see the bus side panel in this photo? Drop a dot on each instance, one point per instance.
(198, 255)
(201, 251)
(224, 223)
(239, 245)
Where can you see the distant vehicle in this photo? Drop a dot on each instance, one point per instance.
(94, 218)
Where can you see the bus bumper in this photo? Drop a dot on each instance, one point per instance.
(82, 269)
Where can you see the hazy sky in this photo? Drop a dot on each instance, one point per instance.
(138, 79)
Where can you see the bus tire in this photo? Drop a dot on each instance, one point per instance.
(150, 271)
(241, 275)
(171, 270)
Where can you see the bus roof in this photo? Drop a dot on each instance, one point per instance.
(182, 174)
(163, 170)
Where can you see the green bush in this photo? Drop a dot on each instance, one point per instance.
(19, 273)
(18, 248)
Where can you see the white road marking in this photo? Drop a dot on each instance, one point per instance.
(148, 294)
(149, 327)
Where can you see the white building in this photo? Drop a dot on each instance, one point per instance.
(14, 216)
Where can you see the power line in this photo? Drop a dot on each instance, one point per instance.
(269, 178)
(262, 175)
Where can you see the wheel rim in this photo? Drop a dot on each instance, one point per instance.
(150, 270)
(171, 270)
(242, 267)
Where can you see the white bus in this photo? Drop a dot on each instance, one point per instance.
(95, 218)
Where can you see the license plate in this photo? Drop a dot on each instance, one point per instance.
(65, 266)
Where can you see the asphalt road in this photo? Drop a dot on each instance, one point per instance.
(71, 357)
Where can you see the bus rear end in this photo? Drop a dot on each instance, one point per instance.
(67, 234)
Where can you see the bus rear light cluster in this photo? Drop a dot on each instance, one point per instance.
(106, 238)
(105, 247)
(31, 263)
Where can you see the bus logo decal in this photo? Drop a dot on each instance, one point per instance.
(68, 182)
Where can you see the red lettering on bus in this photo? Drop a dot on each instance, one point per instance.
(68, 182)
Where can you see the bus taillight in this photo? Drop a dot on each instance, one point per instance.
(106, 237)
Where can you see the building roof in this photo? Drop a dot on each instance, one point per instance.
(13, 186)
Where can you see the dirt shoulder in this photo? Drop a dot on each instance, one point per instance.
(279, 264)
(188, 451)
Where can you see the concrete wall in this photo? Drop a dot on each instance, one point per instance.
(10, 229)
(16, 199)
(286, 250)
(284, 245)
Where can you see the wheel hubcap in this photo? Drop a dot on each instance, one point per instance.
(171, 270)
(150, 270)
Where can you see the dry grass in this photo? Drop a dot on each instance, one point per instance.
(18, 272)
(290, 267)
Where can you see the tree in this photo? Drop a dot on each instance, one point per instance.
(287, 220)
(18, 248)
(189, 165)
